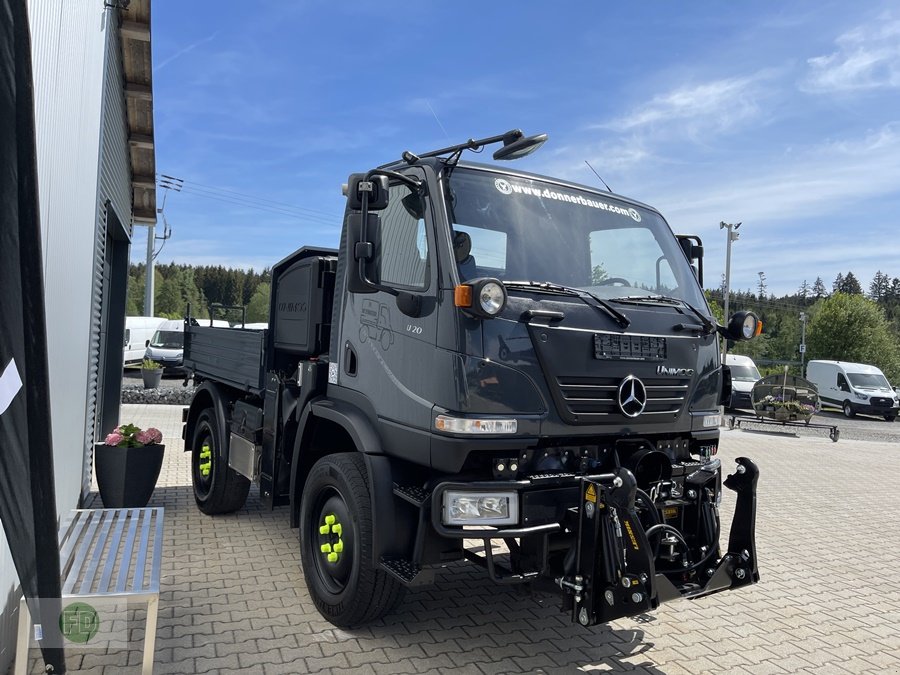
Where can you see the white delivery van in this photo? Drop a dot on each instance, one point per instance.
(854, 388)
(166, 347)
(138, 329)
(744, 375)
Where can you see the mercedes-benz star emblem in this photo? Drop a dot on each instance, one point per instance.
(632, 396)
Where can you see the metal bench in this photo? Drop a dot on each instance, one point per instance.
(107, 553)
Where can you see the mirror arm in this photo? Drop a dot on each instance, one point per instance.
(411, 183)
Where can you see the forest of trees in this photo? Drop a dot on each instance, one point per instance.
(844, 320)
(176, 286)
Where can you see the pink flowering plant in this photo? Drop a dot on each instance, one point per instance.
(130, 436)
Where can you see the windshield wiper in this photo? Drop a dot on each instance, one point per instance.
(587, 297)
(707, 325)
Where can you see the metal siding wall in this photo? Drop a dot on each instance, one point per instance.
(67, 60)
(114, 187)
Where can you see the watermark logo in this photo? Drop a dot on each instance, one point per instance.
(79, 622)
(634, 215)
(503, 186)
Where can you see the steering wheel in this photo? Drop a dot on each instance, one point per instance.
(612, 281)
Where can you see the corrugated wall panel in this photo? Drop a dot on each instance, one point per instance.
(114, 192)
(67, 57)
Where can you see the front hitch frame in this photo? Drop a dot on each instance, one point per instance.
(614, 574)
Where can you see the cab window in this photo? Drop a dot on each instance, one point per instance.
(402, 256)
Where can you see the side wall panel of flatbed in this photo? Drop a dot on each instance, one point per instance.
(232, 356)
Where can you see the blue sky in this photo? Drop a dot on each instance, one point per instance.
(785, 116)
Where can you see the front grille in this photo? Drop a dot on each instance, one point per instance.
(881, 402)
(591, 400)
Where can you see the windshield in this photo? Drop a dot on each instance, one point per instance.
(518, 229)
(168, 339)
(868, 380)
(744, 373)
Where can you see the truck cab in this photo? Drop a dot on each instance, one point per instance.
(489, 354)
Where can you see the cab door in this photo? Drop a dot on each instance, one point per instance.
(386, 355)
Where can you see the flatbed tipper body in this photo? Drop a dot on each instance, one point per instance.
(487, 355)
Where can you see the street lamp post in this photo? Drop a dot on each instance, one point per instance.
(733, 235)
(803, 318)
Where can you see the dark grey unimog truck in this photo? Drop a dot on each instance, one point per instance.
(493, 356)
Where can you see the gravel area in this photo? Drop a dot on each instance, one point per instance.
(859, 428)
(171, 390)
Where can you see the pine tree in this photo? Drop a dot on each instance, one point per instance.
(818, 289)
(838, 283)
(851, 285)
(881, 284)
(804, 290)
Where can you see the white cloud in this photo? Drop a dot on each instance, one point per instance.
(821, 180)
(867, 57)
(711, 107)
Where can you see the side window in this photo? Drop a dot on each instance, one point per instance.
(403, 249)
(842, 382)
(127, 335)
(486, 254)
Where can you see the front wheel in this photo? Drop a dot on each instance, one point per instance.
(336, 540)
(848, 410)
(890, 418)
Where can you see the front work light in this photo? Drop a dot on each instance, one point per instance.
(463, 425)
(482, 297)
(480, 508)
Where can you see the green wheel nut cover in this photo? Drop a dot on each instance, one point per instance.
(205, 467)
(331, 549)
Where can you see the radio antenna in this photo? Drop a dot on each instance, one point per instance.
(598, 176)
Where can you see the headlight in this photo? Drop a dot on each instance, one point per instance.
(463, 425)
(492, 297)
(485, 298)
(480, 508)
(861, 397)
(743, 325)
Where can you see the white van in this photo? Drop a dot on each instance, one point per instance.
(854, 388)
(138, 329)
(744, 374)
(166, 347)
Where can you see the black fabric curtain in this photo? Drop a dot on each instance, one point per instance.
(27, 494)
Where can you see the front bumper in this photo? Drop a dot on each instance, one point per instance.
(741, 399)
(610, 571)
(872, 409)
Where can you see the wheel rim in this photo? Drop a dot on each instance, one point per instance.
(332, 540)
(202, 462)
(847, 410)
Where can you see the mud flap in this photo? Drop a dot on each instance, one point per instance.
(614, 572)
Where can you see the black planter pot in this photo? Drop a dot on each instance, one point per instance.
(151, 378)
(126, 476)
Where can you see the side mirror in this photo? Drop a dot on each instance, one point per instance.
(742, 326)
(147, 343)
(378, 195)
(692, 246)
(360, 278)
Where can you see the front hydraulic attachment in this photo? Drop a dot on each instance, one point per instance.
(613, 573)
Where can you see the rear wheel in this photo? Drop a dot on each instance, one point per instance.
(336, 539)
(217, 487)
(848, 410)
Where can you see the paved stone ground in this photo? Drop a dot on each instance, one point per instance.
(828, 533)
